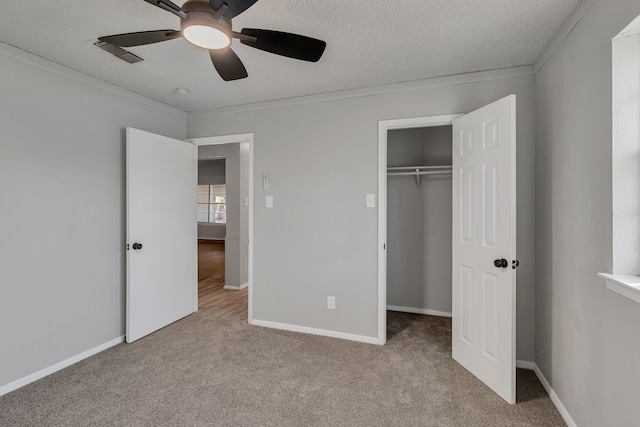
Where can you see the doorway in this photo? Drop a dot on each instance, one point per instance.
(225, 225)
(397, 164)
(483, 237)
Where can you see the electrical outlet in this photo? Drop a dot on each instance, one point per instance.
(331, 303)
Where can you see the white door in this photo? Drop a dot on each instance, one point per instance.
(484, 244)
(161, 232)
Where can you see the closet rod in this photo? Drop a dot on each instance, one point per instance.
(419, 173)
(415, 168)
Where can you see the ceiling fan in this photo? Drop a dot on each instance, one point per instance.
(207, 24)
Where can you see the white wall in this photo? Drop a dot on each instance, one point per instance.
(321, 154)
(419, 221)
(62, 247)
(587, 340)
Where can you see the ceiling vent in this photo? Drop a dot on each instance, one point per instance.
(119, 52)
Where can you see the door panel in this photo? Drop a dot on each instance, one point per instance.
(161, 216)
(484, 230)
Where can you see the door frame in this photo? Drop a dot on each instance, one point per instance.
(234, 139)
(384, 126)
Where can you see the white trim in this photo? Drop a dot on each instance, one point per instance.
(564, 32)
(383, 127)
(8, 388)
(456, 79)
(418, 311)
(382, 232)
(194, 231)
(626, 285)
(231, 139)
(525, 364)
(236, 288)
(48, 65)
(314, 331)
(554, 398)
(225, 139)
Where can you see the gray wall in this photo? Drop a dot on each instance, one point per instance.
(320, 239)
(419, 221)
(587, 340)
(211, 172)
(235, 252)
(62, 170)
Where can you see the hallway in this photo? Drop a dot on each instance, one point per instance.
(229, 304)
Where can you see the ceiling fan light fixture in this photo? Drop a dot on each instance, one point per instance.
(203, 31)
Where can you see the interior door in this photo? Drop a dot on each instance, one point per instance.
(484, 244)
(161, 232)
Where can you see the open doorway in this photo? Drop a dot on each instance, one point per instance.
(224, 225)
(481, 252)
(414, 162)
(419, 227)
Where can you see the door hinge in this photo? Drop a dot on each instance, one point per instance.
(515, 264)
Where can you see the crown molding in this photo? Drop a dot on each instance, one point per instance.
(457, 79)
(46, 64)
(564, 32)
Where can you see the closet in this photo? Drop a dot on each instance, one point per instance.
(419, 220)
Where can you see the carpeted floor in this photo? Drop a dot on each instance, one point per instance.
(203, 371)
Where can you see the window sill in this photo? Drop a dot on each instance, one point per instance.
(625, 285)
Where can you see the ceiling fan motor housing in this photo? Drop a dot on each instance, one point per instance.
(201, 14)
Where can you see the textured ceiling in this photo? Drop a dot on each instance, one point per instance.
(369, 43)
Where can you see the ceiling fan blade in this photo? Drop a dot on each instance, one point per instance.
(168, 6)
(141, 38)
(234, 7)
(285, 44)
(228, 65)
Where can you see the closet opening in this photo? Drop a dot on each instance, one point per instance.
(415, 227)
(419, 221)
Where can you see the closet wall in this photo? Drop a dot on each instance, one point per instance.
(419, 222)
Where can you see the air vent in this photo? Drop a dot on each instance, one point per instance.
(119, 52)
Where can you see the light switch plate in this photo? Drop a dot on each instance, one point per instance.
(265, 181)
(269, 201)
(371, 200)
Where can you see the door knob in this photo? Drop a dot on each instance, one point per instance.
(137, 246)
(500, 263)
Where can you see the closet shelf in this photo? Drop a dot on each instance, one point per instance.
(419, 171)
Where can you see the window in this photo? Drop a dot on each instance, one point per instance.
(212, 204)
(625, 152)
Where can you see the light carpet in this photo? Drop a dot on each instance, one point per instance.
(203, 371)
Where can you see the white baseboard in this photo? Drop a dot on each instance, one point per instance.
(8, 388)
(418, 311)
(554, 398)
(524, 364)
(314, 331)
(236, 288)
